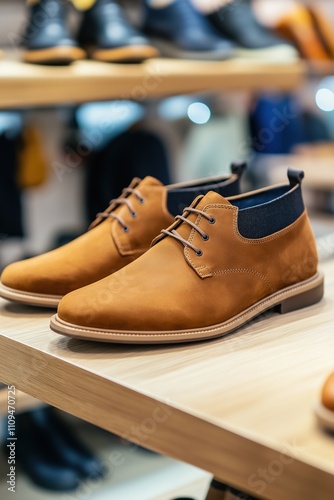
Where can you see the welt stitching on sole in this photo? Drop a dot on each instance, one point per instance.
(18, 293)
(183, 334)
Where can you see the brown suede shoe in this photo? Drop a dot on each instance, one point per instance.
(219, 265)
(118, 236)
(298, 27)
(325, 410)
(324, 28)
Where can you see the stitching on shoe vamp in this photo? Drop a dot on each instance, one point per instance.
(244, 271)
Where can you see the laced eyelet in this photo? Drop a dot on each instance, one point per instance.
(141, 200)
(199, 253)
(125, 229)
(133, 215)
(212, 220)
(205, 237)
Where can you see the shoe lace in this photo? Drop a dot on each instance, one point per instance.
(174, 234)
(122, 200)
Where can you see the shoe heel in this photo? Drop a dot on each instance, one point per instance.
(302, 300)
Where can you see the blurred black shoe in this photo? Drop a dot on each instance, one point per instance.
(108, 35)
(50, 454)
(37, 457)
(47, 39)
(70, 449)
(178, 30)
(237, 21)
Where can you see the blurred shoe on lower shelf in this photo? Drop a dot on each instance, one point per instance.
(325, 409)
(119, 235)
(47, 39)
(49, 452)
(108, 36)
(69, 447)
(180, 31)
(36, 457)
(238, 22)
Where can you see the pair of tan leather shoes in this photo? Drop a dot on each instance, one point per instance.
(220, 264)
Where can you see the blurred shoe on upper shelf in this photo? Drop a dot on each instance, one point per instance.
(47, 39)
(238, 22)
(180, 31)
(325, 409)
(118, 236)
(324, 28)
(309, 31)
(108, 36)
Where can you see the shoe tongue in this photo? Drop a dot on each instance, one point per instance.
(142, 185)
(211, 198)
(149, 181)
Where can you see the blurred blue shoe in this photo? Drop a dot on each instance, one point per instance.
(51, 454)
(36, 456)
(180, 31)
(237, 21)
(108, 35)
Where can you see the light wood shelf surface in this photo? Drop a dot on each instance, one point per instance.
(239, 407)
(23, 85)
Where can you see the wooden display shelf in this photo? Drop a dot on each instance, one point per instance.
(24, 85)
(240, 407)
(23, 401)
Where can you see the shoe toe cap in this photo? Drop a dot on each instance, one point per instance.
(14, 276)
(36, 275)
(78, 308)
(108, 305)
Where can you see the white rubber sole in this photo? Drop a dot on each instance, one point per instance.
(325, 417)
(32, 299)
(295, 297)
